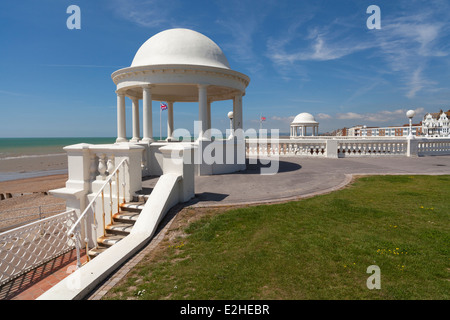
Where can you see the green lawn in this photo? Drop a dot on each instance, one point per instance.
(317, 248)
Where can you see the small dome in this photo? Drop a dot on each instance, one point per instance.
(304, 117)
(180, 46)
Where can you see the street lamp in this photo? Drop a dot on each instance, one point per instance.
(410, 114)
(230, 115)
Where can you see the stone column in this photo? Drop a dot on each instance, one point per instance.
(135, 116)
(208, 116)
(121, 123)
(202, 112)
(169, 120)
(147, 127)
(237, 112)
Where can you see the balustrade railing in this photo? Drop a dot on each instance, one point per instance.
(285, 147)
(436, 147)
(371, 148)
(90, 211)
(29, 246)
(341, 148)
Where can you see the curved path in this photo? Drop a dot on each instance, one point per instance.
(303, 177)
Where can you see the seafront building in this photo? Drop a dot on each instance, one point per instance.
(433, 125)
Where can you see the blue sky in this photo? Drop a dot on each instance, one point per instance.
(311, 56)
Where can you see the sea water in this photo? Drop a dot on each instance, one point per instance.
(29, 147)
(15, 148)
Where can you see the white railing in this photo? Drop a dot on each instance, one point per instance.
(76, 231)
(29, 246)
(361, 148)
(433, 147)
(337, 147)
(285, 147)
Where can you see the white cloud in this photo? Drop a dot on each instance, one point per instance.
(380, 116)
(283, 119)
(148, 13)
(323, 116)
(406, 43)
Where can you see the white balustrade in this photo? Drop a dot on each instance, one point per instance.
(285, 147)
(436, 146)
(361, 148)
(347, 147)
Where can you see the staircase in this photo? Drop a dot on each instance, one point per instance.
(123, 222)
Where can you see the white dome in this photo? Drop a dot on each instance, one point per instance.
(180, 46)
(304, 117)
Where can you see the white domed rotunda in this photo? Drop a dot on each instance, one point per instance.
(177, 65)
(301, 122)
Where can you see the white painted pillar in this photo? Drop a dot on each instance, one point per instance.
(147, 128)
(208, 115)
(237, 112)
(135, 118)
(202, 113)
(169, 120)
(121, 124)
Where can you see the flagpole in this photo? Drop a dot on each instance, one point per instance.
(160, 111)
(260, 121)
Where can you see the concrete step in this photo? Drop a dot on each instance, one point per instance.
(94, 252)
(119, 228)
(132, 206)
(109, 240)
(126, 216)
(140, 197)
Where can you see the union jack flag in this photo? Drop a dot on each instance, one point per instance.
(163, 106)
(263, 118)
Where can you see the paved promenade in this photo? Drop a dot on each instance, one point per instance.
(302, 177)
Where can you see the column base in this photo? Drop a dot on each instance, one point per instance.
(148, 140)
(135, 140)
(118, 140)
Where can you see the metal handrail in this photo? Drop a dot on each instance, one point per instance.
(77, 224)
(71, 231)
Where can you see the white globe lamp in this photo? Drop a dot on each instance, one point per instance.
(230, 116)
(410, 114)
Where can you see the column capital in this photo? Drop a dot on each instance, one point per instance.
(120, 93)
(202, 86)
